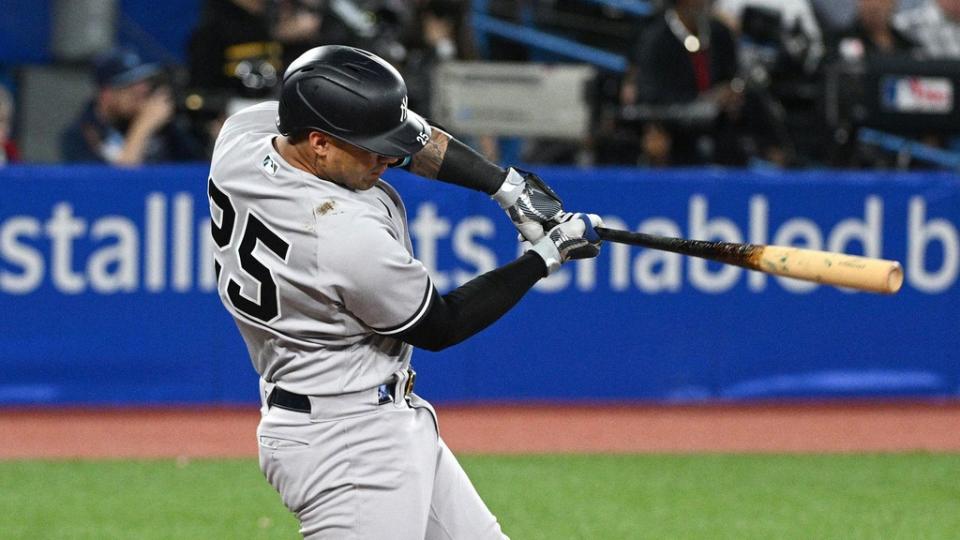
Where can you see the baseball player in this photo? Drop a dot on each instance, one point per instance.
(315, 263)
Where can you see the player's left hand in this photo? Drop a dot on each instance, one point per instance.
(574, 238)
(530, 203)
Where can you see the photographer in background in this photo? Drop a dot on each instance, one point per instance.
(800, 36)
(781, 51)
(237, 51)
(130, 120)
(688, 58)
(232, 49)
(378, 26)
(233, 60)
(435, 37)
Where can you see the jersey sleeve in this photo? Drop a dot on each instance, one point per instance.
(382, 284)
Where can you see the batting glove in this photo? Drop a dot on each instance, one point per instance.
(574, 238)
(530, 203)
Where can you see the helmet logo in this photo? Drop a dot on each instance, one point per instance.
(423, 138)
(403, 109)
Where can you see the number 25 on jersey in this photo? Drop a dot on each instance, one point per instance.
(264, 306)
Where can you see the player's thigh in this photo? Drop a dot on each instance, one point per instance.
(394, 476)
(456, 510)
(356, 477)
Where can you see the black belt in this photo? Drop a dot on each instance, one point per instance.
(292, 401)
(288, 400)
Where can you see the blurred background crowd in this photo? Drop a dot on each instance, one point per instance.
(758, 83)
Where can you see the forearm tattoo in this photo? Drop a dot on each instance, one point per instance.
(427, 162)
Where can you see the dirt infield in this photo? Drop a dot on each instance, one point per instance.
(229, 432)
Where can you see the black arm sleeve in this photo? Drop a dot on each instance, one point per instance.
(474, 305)
(465, 167)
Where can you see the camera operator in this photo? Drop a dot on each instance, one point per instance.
(239, 48)
(797, 31)
(378, 26)
(781, 61)
(436, 37)
(130, 120)
(233, 60)
(686, 59)
(232, 49)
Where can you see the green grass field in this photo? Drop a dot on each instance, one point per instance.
(909, 496)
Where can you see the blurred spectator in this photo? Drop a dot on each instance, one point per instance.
(797, 37)
(296, 25)
(781, 51)
(378, 26)
(232, 49)
(686, 57)
(934, 25)
(434, 40)
(238, 50)
(8, 148)
(130, 119)
(800, 34)
(233, 60)
(872, 32)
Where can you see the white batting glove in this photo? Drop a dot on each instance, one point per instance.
(530, 203)
(574, 238)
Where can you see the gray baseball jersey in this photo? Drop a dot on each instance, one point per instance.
(328, 275)
(318, 277)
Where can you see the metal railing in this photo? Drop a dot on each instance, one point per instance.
(485, 25)
(908, 149)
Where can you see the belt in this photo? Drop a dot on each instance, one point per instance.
(292, 401)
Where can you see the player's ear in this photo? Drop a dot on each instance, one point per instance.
(319, 142)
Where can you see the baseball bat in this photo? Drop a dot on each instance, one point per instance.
(829, 268)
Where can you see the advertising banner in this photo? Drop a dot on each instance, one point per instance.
(108, 294)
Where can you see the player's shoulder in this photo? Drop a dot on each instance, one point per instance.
(258, 118)
(244, 132)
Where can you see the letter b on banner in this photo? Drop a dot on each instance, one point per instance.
(920, 234)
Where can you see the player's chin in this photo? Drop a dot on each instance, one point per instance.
(375, 175)
(368, 182)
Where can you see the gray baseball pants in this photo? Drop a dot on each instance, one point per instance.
(354, 469)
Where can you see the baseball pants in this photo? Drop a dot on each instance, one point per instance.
(353, 469)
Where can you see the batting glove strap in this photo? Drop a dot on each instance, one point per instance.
(510, 190)
(531, 205)
(548, 252)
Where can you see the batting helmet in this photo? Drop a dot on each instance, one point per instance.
(353, 95)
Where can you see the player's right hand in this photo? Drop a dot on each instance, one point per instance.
(530, 203)
(574, 238)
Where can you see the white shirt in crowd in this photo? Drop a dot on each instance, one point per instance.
(792, 12)
(937, 35)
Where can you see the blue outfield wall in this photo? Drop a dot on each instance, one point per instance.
(107, 291)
